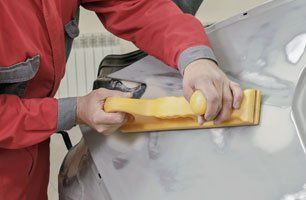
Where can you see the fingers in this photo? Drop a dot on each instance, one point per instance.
(108, 130)
(107, 123)
(213, 99)
(221, 97)
(188, 91)
(221, 94)
(90, 112)
(227, 102)
(237, 94)
(218, 82)
(201, 120)
(102, 117)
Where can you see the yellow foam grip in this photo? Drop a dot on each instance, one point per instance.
(175, 113)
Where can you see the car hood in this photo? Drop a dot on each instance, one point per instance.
(262, 48)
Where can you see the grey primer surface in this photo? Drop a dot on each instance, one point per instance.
(264, 49)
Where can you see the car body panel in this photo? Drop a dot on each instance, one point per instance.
(262, 49)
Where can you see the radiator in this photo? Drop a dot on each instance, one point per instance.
(87, 52)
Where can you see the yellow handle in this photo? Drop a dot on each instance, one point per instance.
(164, 107)
(198, 103)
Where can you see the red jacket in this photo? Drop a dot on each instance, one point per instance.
(36, 27)
(33, 59)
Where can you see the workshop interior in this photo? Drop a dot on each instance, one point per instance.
(164, 149)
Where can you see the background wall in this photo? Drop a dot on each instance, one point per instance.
(211, 11)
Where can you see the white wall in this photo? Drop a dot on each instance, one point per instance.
(216, 10)
(89, 22)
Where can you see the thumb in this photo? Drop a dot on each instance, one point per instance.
(188, 91)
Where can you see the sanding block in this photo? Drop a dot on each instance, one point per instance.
(176, 113)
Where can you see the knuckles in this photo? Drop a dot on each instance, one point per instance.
(218, 79)
(239, 95)
(213, 99)
(235, 84)
(96, 119)
(100, 92)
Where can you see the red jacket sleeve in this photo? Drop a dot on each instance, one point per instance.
(25, 122)
(156, 26)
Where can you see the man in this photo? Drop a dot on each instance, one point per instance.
(32, 63)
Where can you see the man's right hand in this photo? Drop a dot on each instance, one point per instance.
(90, 111)
(222, 94)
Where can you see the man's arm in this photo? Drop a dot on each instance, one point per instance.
(25, 122)
(159, 28)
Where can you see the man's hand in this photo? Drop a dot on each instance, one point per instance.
(90, 111)
(221, 94)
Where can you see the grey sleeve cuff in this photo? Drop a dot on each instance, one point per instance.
(194, 53)
(66, 113)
